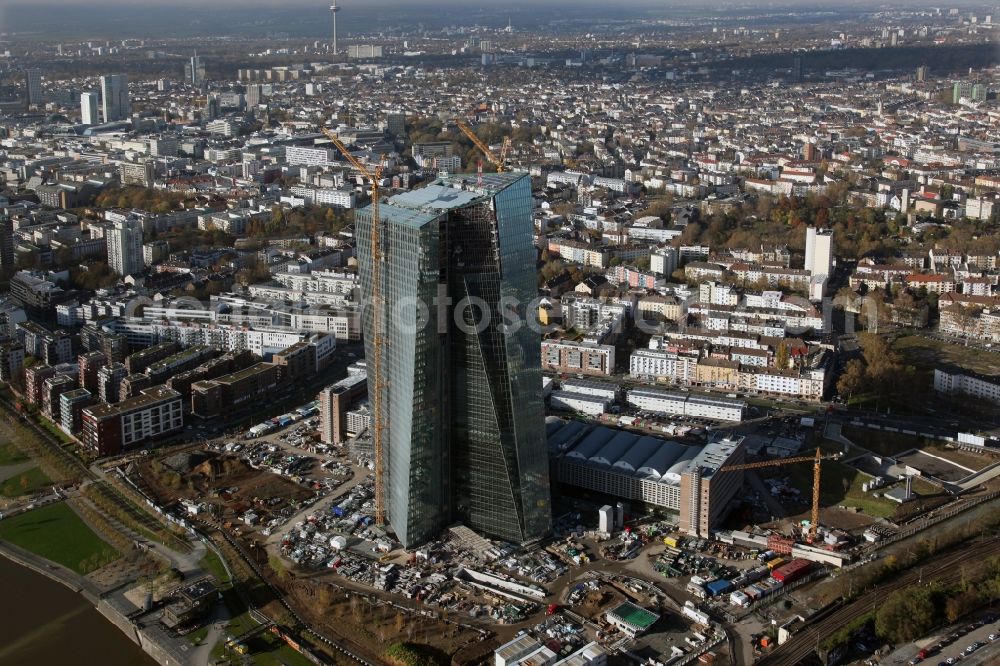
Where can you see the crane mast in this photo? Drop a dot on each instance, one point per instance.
(375, 384)
(816, 460)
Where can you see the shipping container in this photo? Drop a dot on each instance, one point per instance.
(792, 571)
(670, 541)
(775, 563)
(717, 587)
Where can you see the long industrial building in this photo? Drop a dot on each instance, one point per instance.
(691, 480)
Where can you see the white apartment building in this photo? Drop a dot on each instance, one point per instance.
(124, 240)
(664, 261)
(952, 381)
(661, 365)
(819, 251)
(809, 385)
(310, 156)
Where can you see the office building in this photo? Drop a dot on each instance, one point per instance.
(462, 411)
(115, 103)
(124, 239)
(33, 87)
(88, 108)
(7, 258)
(364, 51)
(334, 403)
(395, 125)
(110, 429)
(194, 71)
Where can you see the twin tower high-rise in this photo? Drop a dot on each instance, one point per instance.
(462, 405)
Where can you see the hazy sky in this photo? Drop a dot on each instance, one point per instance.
(307, 18)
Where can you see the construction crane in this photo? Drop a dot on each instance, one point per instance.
(375, 384)
(499, 161)
(816, 460)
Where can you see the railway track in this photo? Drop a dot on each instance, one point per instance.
(944, 569)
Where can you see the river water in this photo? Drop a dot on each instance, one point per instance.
(44, 622)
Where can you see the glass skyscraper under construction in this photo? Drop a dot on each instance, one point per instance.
(464, 432)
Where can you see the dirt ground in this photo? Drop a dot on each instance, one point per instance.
(226, 482)
(832, 517)
(373, 627)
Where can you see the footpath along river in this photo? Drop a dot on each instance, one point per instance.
(44, 622)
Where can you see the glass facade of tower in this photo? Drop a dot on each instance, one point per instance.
(413, 369)
(465, 426)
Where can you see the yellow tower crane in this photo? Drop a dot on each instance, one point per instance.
(816, 460)
(375, 384)
(499, 161)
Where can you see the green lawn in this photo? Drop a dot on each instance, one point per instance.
(57, 533)
(55, 430)
(883, 442)
(10, 454)
(928, 353)
(198, 635)
(212, 564)
(835, 477)
(266, 649)
(26, 483)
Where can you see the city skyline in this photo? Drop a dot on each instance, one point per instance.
(532, 334)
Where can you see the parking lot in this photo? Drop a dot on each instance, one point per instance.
(951, 646)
